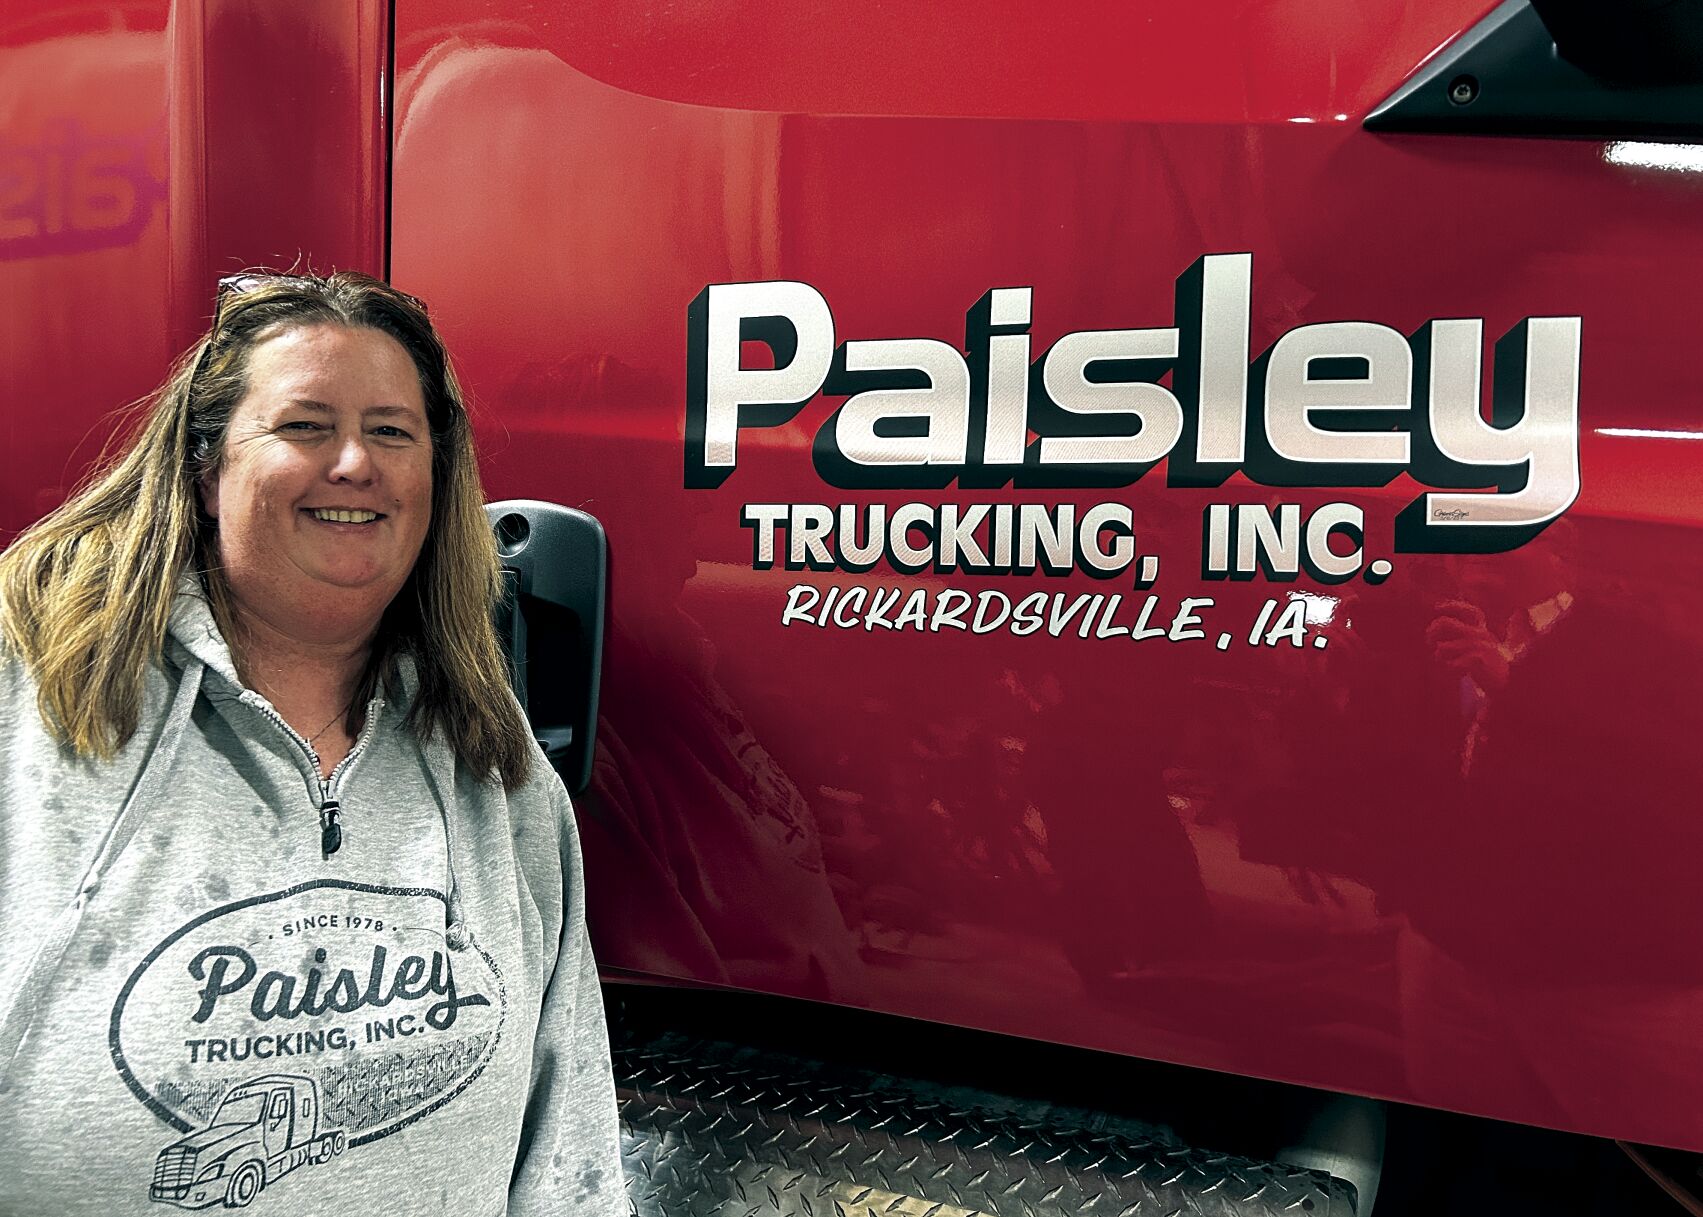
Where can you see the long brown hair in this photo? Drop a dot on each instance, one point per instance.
(86, 593)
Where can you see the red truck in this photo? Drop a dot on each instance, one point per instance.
(1168, 532)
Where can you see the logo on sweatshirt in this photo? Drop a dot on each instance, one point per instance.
(288, 1027)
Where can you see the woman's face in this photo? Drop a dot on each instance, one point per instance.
(324, 492)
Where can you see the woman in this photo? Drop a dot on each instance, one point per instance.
(290, 906)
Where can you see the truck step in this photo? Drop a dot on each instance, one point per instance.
(711, 1127)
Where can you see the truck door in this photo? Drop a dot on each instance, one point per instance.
(1317, 808)
(280, 1122)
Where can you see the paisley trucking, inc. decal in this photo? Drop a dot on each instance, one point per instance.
(1339, 404)
(280, 1031)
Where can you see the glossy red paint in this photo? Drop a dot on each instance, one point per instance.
(82, 237)
(279, 141)
(1265, 860)
(147, 149)
(1213, 62)
(1390, 866)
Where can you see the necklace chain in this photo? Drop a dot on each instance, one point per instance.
(312, 739)
(266, 691)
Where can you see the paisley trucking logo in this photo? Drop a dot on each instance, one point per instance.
(1490, 446)
(279, 1031)
(1338, 404)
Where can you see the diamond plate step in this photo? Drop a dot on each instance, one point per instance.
(715, 1128)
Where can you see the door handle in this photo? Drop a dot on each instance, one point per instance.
(550, 624)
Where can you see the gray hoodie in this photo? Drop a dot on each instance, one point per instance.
(199, 1009)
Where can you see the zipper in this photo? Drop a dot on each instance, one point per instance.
(330, 809)
(330, 831)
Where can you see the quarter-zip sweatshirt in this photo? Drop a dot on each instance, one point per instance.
(202, 1003)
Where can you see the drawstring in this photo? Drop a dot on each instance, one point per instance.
(457, 933)
(17, 1008)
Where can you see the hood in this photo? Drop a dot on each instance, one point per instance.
(219, 1135)
(192, 628)
(193, 635)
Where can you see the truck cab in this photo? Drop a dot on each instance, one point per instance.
(262, 1129)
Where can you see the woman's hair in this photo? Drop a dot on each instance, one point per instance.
(86, 593)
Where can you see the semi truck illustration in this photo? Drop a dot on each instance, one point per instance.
(263, 1129)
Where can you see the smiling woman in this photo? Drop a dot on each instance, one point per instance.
(321, 502)
(263, 632)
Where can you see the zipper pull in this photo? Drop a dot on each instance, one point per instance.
(330, 831)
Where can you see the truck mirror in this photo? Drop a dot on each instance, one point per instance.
(550, 622)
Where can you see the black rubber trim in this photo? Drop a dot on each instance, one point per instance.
(1505, 77)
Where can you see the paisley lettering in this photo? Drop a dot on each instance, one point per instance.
(229, 970)
(216, 987)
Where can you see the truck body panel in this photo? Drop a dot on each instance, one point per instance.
(1447, 864)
